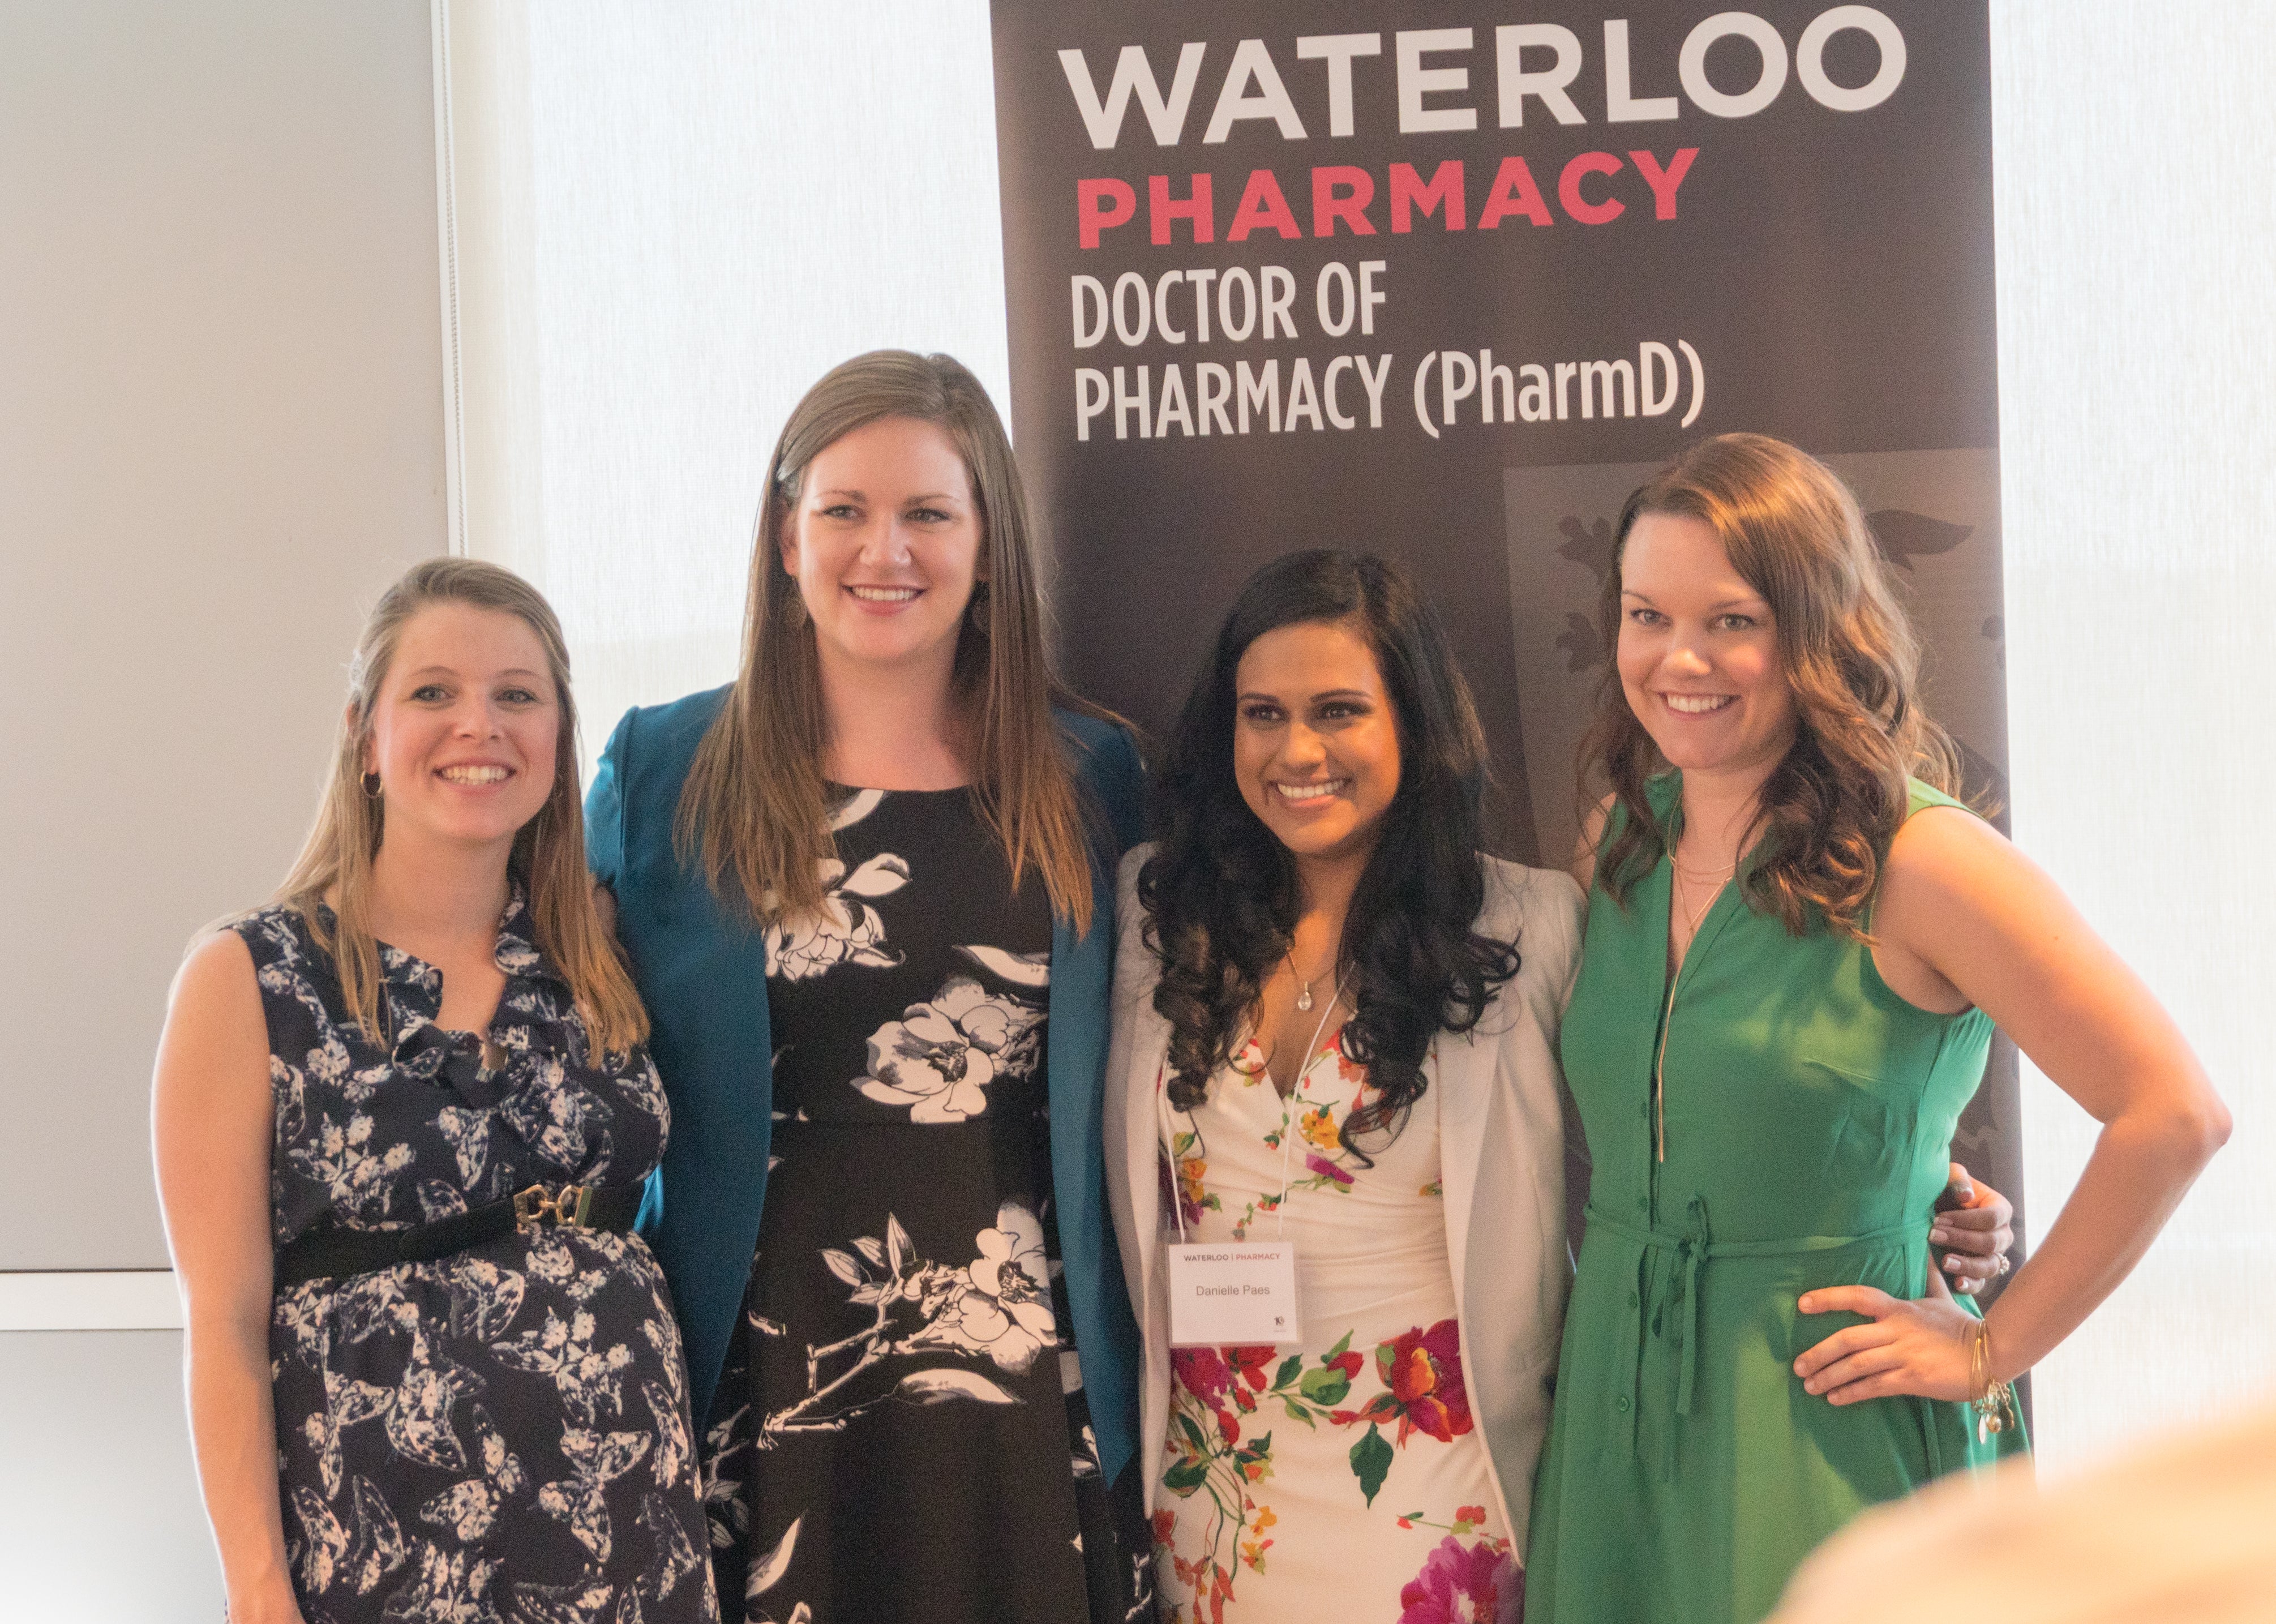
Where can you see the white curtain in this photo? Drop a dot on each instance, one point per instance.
(2137, 327)
(672, 220)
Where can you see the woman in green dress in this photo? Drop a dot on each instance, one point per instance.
(1796, 949)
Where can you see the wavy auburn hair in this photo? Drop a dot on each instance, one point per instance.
(755, 807)
(1828, 811)
(548, 858)
(1220, 892)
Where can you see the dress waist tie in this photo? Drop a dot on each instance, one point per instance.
(1672, 1323)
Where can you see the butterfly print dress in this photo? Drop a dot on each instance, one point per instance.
(499, 1436)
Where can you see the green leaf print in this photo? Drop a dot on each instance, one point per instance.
(1186, 1477)
(1370, 1461)
(1327, 1386)
(1297, 1412)
(1287, 1373)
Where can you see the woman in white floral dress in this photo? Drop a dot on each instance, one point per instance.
(1335, 1027)
(404, 1117)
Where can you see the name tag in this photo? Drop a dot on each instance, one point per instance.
(1236, 1292)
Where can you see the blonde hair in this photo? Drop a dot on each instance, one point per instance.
(1831, 805)
(756, 804)
(335, 865)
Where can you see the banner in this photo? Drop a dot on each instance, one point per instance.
(1446, 284)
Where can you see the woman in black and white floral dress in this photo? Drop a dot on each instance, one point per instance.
(865, 894)
(431, 1377)
(894, 1312)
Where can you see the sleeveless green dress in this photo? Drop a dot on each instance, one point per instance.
(1805, 1113)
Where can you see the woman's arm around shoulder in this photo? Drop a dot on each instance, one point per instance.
(1963, 918)
(212, 1121)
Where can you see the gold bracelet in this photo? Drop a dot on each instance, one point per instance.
(1994, 1402)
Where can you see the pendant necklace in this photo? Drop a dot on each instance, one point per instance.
(1303, 987)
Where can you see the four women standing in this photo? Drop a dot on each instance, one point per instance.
(864, 892)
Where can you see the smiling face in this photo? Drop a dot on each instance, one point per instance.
(885, 544)
(1314, 739)
(465, 727)
(1698, 651)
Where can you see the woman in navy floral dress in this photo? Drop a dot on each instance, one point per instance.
(404, 1114)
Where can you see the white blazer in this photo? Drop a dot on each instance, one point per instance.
(1501, 1136)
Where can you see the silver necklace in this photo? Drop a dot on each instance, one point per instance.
(1303, 987)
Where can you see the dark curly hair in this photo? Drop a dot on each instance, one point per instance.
(1220, 892)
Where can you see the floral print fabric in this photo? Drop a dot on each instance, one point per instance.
(900, 1431)
(1341, 1476)
(502, 1435)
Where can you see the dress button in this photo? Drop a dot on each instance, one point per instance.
(1643, 1203)
(1621, 1404)
(1633, 1300)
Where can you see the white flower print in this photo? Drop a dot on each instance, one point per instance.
(586, 1376)
(1006, 1312)
(939, 1058)
(356, 1180)
(845, 930)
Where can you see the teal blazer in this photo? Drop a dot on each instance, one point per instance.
(701, 972)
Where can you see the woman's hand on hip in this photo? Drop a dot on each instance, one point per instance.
(1918, 1348)
(1975, 1233)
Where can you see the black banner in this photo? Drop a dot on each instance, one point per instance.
(1443, 284)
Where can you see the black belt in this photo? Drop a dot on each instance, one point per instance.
(332, 1250)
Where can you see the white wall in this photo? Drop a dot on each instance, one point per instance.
(670, 223)
(2138, 326)
(220, 438)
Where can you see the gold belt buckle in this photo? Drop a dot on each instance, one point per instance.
(568, 1208)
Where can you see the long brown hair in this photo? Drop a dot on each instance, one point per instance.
(1830, 809)
(335, 865)
(755, 805)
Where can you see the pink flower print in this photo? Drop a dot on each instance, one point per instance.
(1480, 1583)
(1314, 1162)
(1202, 1372)
(939, 1058)
(1249, 1060)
